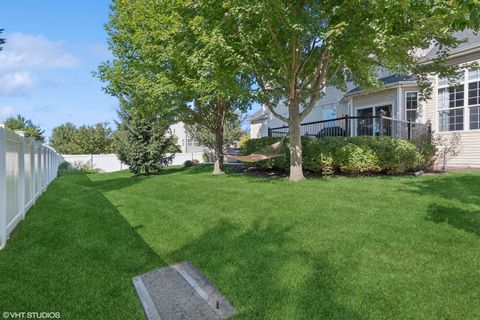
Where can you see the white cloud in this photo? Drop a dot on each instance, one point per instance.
(33, 52)
(6, 111)
(24, 55)
(16, 83)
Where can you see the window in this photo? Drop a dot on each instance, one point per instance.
(451, 108)
(474, 74)
(474, 104)
(329, 114)
(411, 105)
(192, 142)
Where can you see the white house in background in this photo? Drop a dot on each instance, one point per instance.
(451, 108)
(185, 141)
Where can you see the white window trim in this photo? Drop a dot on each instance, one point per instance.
(465, 102)
(468, 106)
(405, 104)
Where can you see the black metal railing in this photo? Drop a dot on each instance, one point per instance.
(358, 126)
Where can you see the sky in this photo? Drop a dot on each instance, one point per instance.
(46, 65)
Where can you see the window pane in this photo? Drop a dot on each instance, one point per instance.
(411, 100)
(474, 93)
(474, 118)
(451, 120)
(412, 115)
(443, 98)
(473, 73)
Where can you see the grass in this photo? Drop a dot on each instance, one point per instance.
(339, 248)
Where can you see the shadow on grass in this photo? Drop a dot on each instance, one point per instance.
(75, 254)
(257, 269)
(464, 188)
(467, 220)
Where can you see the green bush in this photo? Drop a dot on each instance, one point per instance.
(348, 155)
(355, 160)
(188, 164)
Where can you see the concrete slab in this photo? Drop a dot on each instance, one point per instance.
(180, 292)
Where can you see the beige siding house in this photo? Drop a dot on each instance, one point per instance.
(452, 108)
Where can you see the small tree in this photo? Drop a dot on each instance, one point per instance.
(144, 141)
(446, 147)
(63, 139)
(26, 125)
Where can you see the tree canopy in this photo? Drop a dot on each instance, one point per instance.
(26, 125)
(70, 139)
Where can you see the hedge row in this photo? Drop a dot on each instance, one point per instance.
(349, 155)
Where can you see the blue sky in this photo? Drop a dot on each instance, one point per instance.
(45, 67)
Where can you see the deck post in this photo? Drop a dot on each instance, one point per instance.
(269, 131)
(409, 131)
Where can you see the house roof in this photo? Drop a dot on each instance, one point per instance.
(257, 116)
(470, 41)
(388, 81)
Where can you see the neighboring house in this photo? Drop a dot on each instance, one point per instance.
(450, 109)
(185, 141)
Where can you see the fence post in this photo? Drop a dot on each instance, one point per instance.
(347, 126)
(33, 177)
(269, 131)
(409, 130)
(3, 185)
(21, 172)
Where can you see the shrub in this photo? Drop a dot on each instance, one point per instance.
(195, 162)
(348, 155)
(64, 168)
(243, 139)
(188, 163)
(355, 160)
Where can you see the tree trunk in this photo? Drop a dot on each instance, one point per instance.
(218, 166)
(296, 168)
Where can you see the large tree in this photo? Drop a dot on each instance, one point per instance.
(178, 52)
(26, 125)
(297, 48)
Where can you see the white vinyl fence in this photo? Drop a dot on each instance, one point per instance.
(111, 163)
(26, 169)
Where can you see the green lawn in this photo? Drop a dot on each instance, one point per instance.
(339, 248)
